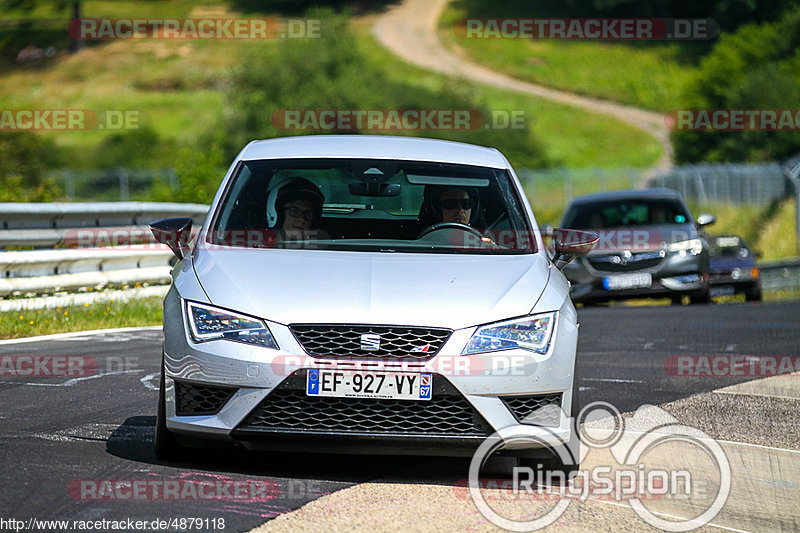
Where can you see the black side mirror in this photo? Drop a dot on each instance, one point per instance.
(571, 243)
(175, 233)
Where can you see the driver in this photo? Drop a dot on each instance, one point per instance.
(450, 204)
(456, 206)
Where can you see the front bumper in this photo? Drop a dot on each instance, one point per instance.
(676, 275)
(479, 394)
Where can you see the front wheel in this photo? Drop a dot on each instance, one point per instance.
(165, 445)
(572, 448)
(702, 297)
(753, 294)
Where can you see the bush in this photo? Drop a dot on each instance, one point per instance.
(25, 159)
(333, 72)
(755, 68)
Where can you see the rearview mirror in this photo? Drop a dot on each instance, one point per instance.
(175, 233)
(571, 243)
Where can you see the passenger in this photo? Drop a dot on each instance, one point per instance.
(294, 209)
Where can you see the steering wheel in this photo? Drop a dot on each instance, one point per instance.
(449, 225)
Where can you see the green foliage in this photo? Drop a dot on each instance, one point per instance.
(758, 67)
(727, 13)
(25, 159)
(334, 72)
(200, 170)
(138, 148)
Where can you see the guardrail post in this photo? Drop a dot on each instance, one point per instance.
(792, 171)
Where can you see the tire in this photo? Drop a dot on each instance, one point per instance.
(753, 294)
(676, 300)
(165, 445)
(702, 297)
(572, 448)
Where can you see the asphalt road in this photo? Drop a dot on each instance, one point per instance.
(61, 438)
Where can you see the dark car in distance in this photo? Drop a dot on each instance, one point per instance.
(733, 268)
(650, 246)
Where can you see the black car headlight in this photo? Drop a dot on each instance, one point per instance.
(208, 323)
(530, 333)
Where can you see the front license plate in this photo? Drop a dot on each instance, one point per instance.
(628, 281)
(350, 384)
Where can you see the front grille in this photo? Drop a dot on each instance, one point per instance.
(396, 342)
(620, 263)
(540, 410)
(194, 399)
(289, 409)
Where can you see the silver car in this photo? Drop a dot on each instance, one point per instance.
(367, 294)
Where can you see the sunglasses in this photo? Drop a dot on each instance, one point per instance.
(297, 212)
(453, 203)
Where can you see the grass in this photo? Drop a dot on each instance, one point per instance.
(143, 312)
(570, 137)
(651, 75)
(177, 88)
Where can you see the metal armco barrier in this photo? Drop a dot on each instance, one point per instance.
(783, 275)
(101, 214)
(90, 233)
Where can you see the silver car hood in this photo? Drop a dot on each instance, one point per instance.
(435, 290)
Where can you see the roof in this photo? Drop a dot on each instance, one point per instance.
(630, 194)
(374, 147)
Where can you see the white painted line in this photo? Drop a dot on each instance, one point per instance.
(612, 380)
(736, 393)
(71, 334)
(146, 381)
(720, 441)
(73, 381)
(123, 295)
(667, 515)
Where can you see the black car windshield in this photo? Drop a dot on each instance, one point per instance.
(622, 213)
(372, 205)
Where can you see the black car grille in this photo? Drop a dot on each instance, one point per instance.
(194, 399)
(396, 342)
(289, 410)
(621, 263)
(540, 410)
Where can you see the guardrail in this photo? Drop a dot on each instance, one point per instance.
(14, 216)
(782, 275)
(90, 233)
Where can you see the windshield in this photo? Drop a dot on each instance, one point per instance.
(372, 205)
(621, 213)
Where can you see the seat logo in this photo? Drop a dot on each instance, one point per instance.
(370, 342)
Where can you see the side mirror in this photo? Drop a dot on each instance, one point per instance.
(175, 233)
(705, 219)
(571, 243)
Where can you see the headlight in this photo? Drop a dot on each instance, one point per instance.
(695, 246)
(530, 333)
(208, 323)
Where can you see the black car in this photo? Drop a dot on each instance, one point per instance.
(650, 246)
(733, 268)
